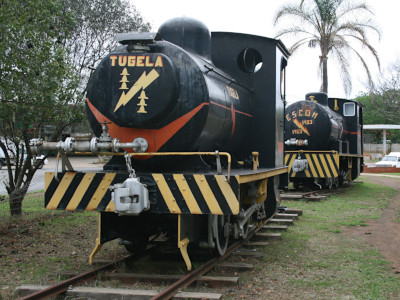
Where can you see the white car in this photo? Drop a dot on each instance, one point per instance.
(39, 161)
(390, 160)
(11, 153)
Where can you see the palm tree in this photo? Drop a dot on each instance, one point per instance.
(336, 27)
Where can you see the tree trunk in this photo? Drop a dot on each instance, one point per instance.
(16, 198)
(324, 61)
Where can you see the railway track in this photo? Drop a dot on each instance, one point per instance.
(258, 236)
(315, 195)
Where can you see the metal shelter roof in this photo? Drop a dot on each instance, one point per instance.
(381, 126)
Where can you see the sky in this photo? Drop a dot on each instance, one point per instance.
(256, 17)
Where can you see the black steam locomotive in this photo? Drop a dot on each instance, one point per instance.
(195, 124)
(323, 141)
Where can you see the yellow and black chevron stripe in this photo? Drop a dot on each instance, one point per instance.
(169, 193)
(320, 164)
(79, 191)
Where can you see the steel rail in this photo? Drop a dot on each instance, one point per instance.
(63, 286)
(168, 293)
(189, 278)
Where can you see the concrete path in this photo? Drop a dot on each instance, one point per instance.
(79, 163)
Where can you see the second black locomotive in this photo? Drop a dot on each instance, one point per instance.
(323, 140)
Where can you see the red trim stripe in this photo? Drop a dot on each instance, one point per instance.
(233, 120)
(239, 112)
(350, 132)
(155, 137)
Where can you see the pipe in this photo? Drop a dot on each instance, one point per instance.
(94, 145)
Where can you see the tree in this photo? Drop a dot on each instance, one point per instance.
(382, 105)
(385, 97)
(35, 83)
(97, 22)
(47, 50)
(336, 27)
(92, 37)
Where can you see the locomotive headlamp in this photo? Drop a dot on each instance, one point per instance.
(296, 142)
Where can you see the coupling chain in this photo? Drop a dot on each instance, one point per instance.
(128, 160)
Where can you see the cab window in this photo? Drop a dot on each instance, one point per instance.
(349, 109)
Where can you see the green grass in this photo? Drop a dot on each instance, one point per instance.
(362, 202)
(33, 203)
(316, 259)
(38, 249)
(64, 219)
(372, 160)
(395, 174)
(32, 207)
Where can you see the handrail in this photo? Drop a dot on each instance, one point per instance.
(133, 154)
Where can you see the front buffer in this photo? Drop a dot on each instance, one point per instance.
(322, 168)
(205, 209)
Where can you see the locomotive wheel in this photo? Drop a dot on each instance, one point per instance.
(336, 182)
(221, 233)
(342, 177)
(246, 229)
(329, 183)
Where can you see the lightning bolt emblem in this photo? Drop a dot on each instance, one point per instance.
(143, 82)
(301, 126)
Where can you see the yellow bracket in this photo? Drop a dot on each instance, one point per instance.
(336, 106)
(98, 246)
(182, 245)
(170, 154)
(255, 160)
(96, 249)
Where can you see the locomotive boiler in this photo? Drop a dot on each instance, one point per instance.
(194, 124)
(323, 140)
(175, 100)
